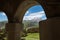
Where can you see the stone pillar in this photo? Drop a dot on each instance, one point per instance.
(50, 29)
(13, 31)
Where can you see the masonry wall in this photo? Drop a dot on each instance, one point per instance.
(50, 29)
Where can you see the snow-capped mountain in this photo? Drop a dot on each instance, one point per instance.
(35, 16)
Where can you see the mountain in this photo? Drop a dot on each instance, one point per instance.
(2, 24)
(35, 19)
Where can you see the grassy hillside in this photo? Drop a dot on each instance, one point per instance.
(32, 36)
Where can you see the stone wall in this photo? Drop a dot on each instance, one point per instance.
(50, 29)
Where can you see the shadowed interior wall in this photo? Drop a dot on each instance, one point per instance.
(50, 29)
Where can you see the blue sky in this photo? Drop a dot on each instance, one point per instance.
(3, 17)
(32, 12)
(33, 9)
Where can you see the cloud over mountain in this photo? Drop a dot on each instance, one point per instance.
(36, 15)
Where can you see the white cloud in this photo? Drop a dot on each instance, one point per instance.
(3, 13)
(28, 17)
(34, 15)
(37, 13)
(26, 12)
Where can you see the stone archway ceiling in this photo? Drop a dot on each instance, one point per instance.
(52, 6)
(22, 9)
(9, 7)
(52, 2)
(2, 3)
(55, 5)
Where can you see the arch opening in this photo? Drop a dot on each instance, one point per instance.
(22, 9)
(31, 20)
(3, 21)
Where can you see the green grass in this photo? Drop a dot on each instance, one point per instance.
(32, 36)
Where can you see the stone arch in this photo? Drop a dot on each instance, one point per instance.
(23, 7)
